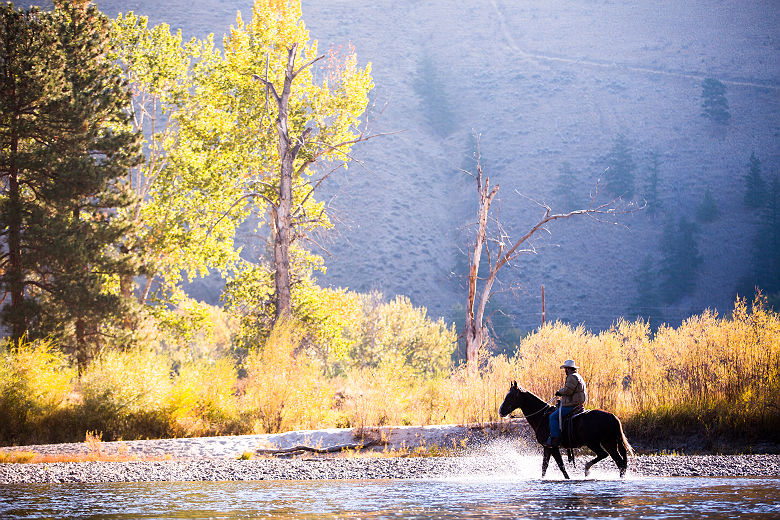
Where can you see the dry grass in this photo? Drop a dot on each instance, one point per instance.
(29, 457)
(712, 374)
(95, 457)
(17, 457)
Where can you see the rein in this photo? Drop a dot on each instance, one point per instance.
(536, 412)
(543, 408)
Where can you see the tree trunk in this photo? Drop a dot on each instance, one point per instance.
(475, 337)
(82, 357)
(282, 241)
(282, 213)
(126, 285)
(16, 274)
(475, 330)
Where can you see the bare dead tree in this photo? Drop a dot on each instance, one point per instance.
(505, 251)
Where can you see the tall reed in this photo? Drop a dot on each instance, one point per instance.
(713, 374)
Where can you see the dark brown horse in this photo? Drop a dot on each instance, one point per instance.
(598, 430)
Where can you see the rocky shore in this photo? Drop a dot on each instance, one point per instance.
(497, 453)
(376, 468)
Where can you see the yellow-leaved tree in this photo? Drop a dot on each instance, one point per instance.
(280, 118)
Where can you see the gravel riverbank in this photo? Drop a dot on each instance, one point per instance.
(376, 468)
(498, 452)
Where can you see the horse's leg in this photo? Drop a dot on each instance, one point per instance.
(600, 455)
(556, 453)
(546, 460)
(621, 463)
(624, 456)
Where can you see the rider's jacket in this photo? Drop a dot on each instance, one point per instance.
(573, 392)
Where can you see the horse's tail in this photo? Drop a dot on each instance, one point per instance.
(624, 447)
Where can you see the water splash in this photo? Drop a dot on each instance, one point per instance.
(499, 459)
(513, 460)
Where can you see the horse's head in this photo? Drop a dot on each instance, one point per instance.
(512, 400)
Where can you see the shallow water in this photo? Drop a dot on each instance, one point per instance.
(462, 497)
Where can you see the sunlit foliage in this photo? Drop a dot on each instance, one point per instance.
(712, 375)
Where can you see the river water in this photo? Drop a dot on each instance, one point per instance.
(456, 498)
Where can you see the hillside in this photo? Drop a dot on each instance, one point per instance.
(543, 83)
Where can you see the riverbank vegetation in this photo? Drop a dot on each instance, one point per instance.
(130, 159)
(712, 376)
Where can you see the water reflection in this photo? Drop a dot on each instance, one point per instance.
(454, 498)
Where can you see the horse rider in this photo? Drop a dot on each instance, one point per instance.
(573, 394)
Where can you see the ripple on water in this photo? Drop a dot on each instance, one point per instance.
(504, 495)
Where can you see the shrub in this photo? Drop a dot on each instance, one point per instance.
(34, 385)
(125, 394)
(284, 389)
(396, 333)
(711, 373)
(475, 398)
(202, 400)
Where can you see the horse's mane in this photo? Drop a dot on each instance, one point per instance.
(537, 401)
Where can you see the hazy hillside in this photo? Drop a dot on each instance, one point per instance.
(543, 83)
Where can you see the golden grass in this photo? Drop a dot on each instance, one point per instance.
(28, 457)
(712, 373)
(16, 457)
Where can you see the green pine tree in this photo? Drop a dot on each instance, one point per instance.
(708, 209)
(646, 304)
(714, 104)
(31, 80)
(619, 175)
(680, 259)
(755, 189)
(67, 146)
(766, 245)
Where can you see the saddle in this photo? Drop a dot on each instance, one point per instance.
(576, 411)
(567, 419)
(567, 431)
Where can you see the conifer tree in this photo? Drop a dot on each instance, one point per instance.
(708, 209)
(646, 302)
(434, 103)
(66, 148)
(714, 104)
(766, 245)
(619, 174)
(31, 79)
(680, 259)
(755, 189)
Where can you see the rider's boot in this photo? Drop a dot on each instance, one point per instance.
(553, 442)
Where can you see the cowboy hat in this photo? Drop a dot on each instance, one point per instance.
(569, 363)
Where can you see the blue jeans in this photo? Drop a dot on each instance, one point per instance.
(555, 431)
